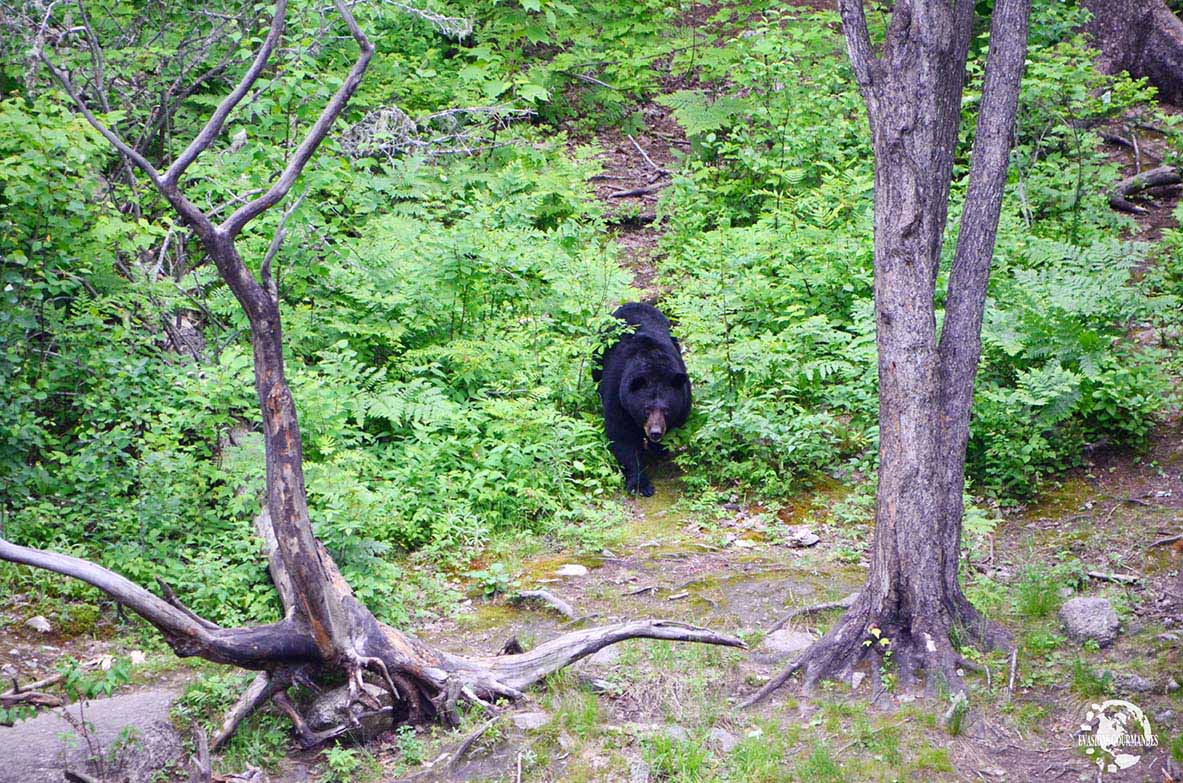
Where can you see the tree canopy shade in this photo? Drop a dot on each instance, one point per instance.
(912, 600)
(325, 627)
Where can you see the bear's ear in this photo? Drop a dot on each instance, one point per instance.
(679, 380)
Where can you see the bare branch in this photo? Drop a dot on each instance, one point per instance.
(858, 46)
(186, 633)
(273, 249)
(64, 80)
(316, 134)
(214, 125)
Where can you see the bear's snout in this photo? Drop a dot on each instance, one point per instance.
(655, 425)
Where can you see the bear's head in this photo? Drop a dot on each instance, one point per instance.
(655, 391)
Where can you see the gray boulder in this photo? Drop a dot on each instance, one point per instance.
(333, 708)
(1090, 618)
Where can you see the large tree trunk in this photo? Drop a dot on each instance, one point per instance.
(325, 627)
(912, 597)
(1143, 37)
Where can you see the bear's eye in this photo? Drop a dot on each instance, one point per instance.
(638, 384)
(680, 380)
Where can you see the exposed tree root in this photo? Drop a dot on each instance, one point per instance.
(862, 637)
(425, 683)
(844, 603)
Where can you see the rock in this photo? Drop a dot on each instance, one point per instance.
(39, 624)
(723, 739)
(1090, 618)
(856, 680)
(799, 536)
(1172, 685)
(598, 685)
(39, 749)
(677, 733)
(781, 644)
(1164, 716)
(608, 656)
(138, 658)
(1127, 682)
(529, 721)
(329, 709)
(956, 709)
(638, 772)
(571, 569)
(1066, 592)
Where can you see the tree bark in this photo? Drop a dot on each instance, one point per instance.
(912, 599)
(1142, 37)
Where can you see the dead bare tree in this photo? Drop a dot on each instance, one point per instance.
(912, 600)
(325, 629)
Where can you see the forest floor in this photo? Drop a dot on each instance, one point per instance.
(652, 711)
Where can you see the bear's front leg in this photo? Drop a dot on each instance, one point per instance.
(629, 457)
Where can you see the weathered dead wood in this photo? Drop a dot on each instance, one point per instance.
(32, 698)
(1166, 540)
(548, 599)
(1160, 177)
(632, 192)
(201, 770)
(1124, 579)
(844, 603)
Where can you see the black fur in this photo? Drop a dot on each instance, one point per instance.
(642, 380)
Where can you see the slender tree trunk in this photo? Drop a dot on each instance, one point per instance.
(912, 597)
(1143, 37)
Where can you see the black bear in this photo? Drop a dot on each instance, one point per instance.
(644, 390)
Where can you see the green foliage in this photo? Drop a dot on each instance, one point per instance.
(1087, 683)
(678, 760)
(350, 765)
(441, 315)
(80, 684)
(260, 740)
(768, 256)
(493, 581)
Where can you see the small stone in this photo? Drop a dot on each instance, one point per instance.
(638, 772)
(1127, 682)
(1066, 592)
(1090, 618)
(1164, 716)
(1172, 685)
(608, 656)
(138, 658)
(334, 708)
(723, 739)
(800, 536)
(529, 721)
(39, 624)
(677, 733)
(779, 645)
(598, 685)
(571, 569)
(743, 543)
(856, 680)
